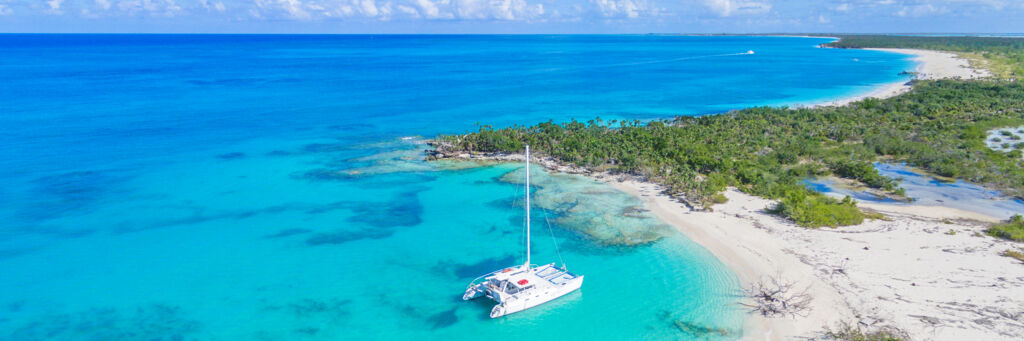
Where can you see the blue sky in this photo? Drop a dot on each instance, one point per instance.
(512, 16)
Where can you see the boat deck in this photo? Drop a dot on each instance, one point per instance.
(542, 276)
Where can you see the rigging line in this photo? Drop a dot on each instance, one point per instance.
(553, 240)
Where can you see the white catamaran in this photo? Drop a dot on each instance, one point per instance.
(525, 286)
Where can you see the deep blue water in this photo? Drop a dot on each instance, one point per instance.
(254, 187)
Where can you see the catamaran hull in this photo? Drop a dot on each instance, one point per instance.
(523, 303)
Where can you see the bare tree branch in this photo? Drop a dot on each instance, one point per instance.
(775, 297)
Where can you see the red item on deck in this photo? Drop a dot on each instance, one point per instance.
(523, 281)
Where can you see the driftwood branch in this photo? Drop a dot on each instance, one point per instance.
(776, 297)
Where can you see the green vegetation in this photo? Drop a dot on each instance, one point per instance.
(817, 210)
(848, 332)
(1003, 56)
(940, 127)
(1013, 254)
(1012, 229)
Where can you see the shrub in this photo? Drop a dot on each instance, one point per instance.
(848, 332)
(1014, 254)
(862, 171)
(816, 210)
(1013, 229)
(1005, 133)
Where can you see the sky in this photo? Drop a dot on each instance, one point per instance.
(512, 16)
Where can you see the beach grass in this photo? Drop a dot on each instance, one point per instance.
(849, 332)
(1014, 254)
(1012, 229)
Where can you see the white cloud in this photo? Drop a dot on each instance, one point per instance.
(429, 9)
(295, 9)
(104, 4)
(409, 11)
(822, 19)
(165, 8)
(496, 9)
(4, 10)
(215, 6)
(624, 8)
(725, 8)
(368, 7)
(54, 6)
(843, 7)
(921, 10)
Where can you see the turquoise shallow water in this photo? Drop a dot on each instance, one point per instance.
(260, 188)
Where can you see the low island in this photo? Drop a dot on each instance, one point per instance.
(733, 182)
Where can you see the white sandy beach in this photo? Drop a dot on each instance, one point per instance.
(929, 271)
(926, 270)
(931, 65)
(910, 273)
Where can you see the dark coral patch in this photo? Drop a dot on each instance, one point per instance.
(65, 193)
(200, 217)
(326, 147)
(308, 331)
(288, 233)
(483, 266)
(443, 319)
(342, 237)
(406, 210)
(231, 156)
(324, 174)
(334, 309)
(403, 210)
(150, 322)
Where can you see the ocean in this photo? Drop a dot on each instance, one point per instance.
(272, 187)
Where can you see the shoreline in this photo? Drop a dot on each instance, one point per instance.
(907, 272)
(928, 271)
(931, 65)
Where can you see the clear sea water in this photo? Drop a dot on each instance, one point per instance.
(252, 187)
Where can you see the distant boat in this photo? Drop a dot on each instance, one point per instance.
(750, 51)
(524, 286)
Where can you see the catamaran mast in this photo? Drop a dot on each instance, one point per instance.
(527, 206)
